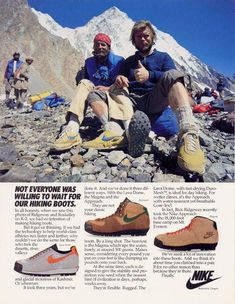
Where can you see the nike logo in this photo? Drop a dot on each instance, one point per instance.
(52, 260)
(105, 138)
(190, 285)
(208, 235)
(131, 219)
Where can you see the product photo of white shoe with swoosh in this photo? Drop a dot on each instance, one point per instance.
(50, 261)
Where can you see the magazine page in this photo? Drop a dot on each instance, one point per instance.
(117, 151)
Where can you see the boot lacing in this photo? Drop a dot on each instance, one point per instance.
(118, 212)
(191, 141)
(39, 253)
(188, 227)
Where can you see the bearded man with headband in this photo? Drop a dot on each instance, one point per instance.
(96, 91)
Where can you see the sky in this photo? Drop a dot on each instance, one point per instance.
(204, 27)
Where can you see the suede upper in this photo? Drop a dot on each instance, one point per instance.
(200, 231)
(129, 216)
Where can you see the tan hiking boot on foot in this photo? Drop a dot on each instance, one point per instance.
(201, 234)
(130, 218)
(67, 139)
(191, 158)
(106, 141)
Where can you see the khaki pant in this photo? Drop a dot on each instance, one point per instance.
(9, 85)
(119, 106)
(21, 95)
(156, 100)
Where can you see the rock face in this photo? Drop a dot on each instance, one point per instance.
(25, 156)
(56, 62)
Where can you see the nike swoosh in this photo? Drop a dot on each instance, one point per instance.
(190, 285)
(52, 260)
(131, 219)
(207, 236)
(105, 138)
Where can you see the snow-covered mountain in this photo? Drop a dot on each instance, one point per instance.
(118, 26)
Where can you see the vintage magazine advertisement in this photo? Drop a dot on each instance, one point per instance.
(116, 268)
(116, 174)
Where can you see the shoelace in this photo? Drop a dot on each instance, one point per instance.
(188, 227)
(39, 253)
(191, 141)
(118, 212)
(64, 131)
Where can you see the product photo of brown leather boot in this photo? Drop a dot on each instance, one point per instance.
(130, 218)
(201, 234)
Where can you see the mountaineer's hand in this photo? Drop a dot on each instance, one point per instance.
(122, 82)
(141, 74)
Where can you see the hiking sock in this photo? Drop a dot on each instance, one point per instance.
(114, 127)
(7, 96)
(104, 119)
(110, 125)
(186, 119)
(126, 126)
(73, 123)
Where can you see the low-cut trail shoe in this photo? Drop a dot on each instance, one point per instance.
(191, 157)
(108, 140)
(66, 140)
(201, 234)
(50, 261)
(139, 129)
(129, 219)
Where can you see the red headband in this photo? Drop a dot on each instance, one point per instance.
(103, 37)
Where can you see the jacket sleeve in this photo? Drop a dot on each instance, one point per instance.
(86, 75)
(117, 69)
(124, 68)
(168, 64)
(19, 72)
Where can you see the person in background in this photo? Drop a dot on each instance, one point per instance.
(214, 93)
(206, 92)
(198, 96)
(21, 84)
(220, 87)
(9, 75)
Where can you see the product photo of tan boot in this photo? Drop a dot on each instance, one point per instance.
(130, 218)
(201, 234)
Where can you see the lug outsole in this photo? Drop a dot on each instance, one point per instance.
(132, 232)
(200, 246)
(19, 268)
(139, 129)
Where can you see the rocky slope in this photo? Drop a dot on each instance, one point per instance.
(25, 155)
(56, 62)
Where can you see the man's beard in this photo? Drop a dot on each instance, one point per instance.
(101, 55)
(145, 49)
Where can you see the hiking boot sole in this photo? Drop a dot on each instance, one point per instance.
(63, 272)
(88, 228)
(106, 148)
(199, 246)
(180, 162)
(139, 129)
(65, 148)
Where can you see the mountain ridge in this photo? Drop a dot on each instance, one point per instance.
(21, 31)
(113, 21)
